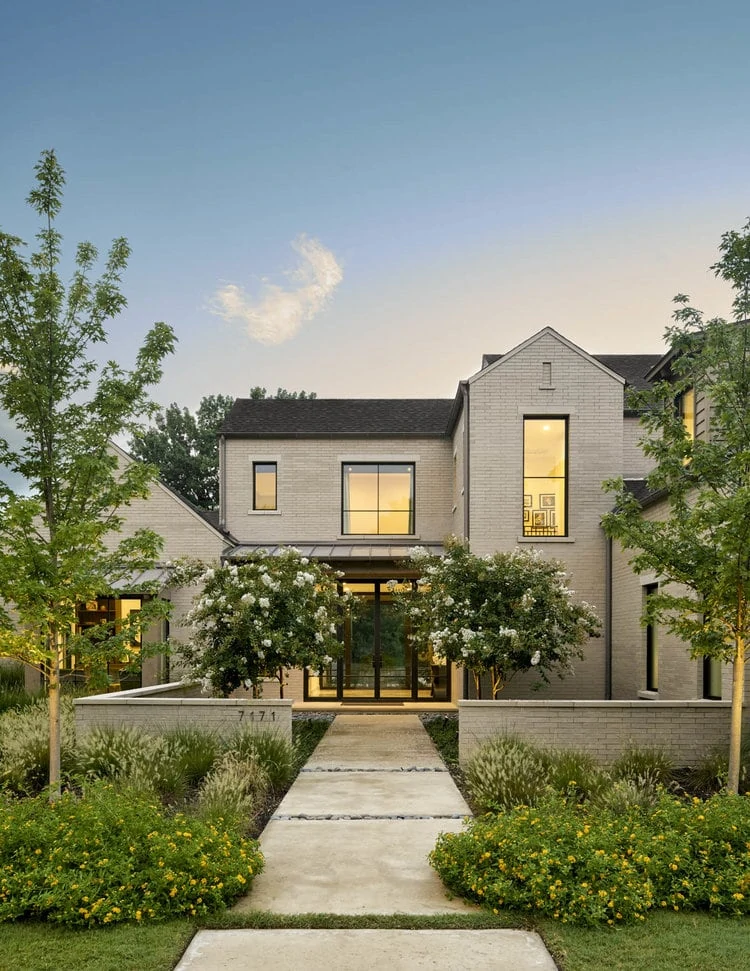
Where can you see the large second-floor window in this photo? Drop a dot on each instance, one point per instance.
(545, 476)
(377, 498)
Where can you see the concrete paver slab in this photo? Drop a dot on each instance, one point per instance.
(362, 950)
(373, 793)
(375, 742)
(370, 866)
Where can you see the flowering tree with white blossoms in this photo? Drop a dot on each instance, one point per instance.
(498, 614)
(254, 618)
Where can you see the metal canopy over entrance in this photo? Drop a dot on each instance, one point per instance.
(378, 663)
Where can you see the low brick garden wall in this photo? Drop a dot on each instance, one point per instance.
(163, 707)
(686, 729)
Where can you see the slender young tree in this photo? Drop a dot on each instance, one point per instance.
(698, 538)
(57, 547)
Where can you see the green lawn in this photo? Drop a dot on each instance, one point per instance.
(42, 947)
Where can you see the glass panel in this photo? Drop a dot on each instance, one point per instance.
(360, 522)
(265, 485)
(395, 671)
(395, 522)
(544, 507)
(395, 487)
(544, 447)
(362, 486)
(359, 646)
(712, 678)
(687, 410)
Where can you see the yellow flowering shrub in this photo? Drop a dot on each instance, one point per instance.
(110, 856)
(582, 865)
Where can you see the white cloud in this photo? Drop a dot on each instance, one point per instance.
(278, 313)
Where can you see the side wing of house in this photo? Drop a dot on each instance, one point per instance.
(186, 532)
(546, 428)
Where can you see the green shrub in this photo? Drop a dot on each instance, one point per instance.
(269, 750)
(505, 772)
(622, 795)
(11, 676)
(711, 773)
(112, 856)
(194, 751)
(575, 774)
(24, 746)
(588, 865)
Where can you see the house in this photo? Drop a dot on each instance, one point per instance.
(516, 458)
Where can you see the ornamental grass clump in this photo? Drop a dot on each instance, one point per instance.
(504, 773)
(24, 746)
(269, 750)
(648, 767)
(574, 774)
(234, 792)
(587, 865)
(110, 856)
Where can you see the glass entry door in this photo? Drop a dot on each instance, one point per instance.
(376, 663)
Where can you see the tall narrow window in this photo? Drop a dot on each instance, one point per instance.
(686, 408)
(264, 485)
(652, 644)
(377, 498)
(712, 678)
(545, 477)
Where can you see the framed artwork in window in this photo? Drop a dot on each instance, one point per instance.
(526, 517)
(539, 518)
(547, 500)
(527, 501)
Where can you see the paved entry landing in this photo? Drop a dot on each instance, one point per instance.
(353, 833)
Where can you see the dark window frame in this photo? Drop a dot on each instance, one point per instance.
(379, 465)
(565, 478)
(274, 508)
(652, 644)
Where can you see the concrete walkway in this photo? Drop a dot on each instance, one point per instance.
(352, 836)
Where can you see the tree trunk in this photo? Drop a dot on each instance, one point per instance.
(735, 731)
(54, 717)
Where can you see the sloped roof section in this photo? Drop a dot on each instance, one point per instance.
(632, 367)
(339, 418)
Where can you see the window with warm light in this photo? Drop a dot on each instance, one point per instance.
(686, 410)
(377, 498)
(264, 485)
(545, 477)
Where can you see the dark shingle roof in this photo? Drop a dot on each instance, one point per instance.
(640, 489)
(339, 418)
(632, 367)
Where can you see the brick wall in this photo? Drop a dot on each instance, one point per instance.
(686, 729)
(157, 709)
(309, 486)
(592, 400)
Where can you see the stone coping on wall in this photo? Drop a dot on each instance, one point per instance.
(684, 728)
(152, 709)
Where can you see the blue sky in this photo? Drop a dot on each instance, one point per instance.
(362, 199)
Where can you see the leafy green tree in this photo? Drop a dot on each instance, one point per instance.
(57, 547)
(498, 614)
(254, 618)
(697, 540)
(185, 449)
(184, 445)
